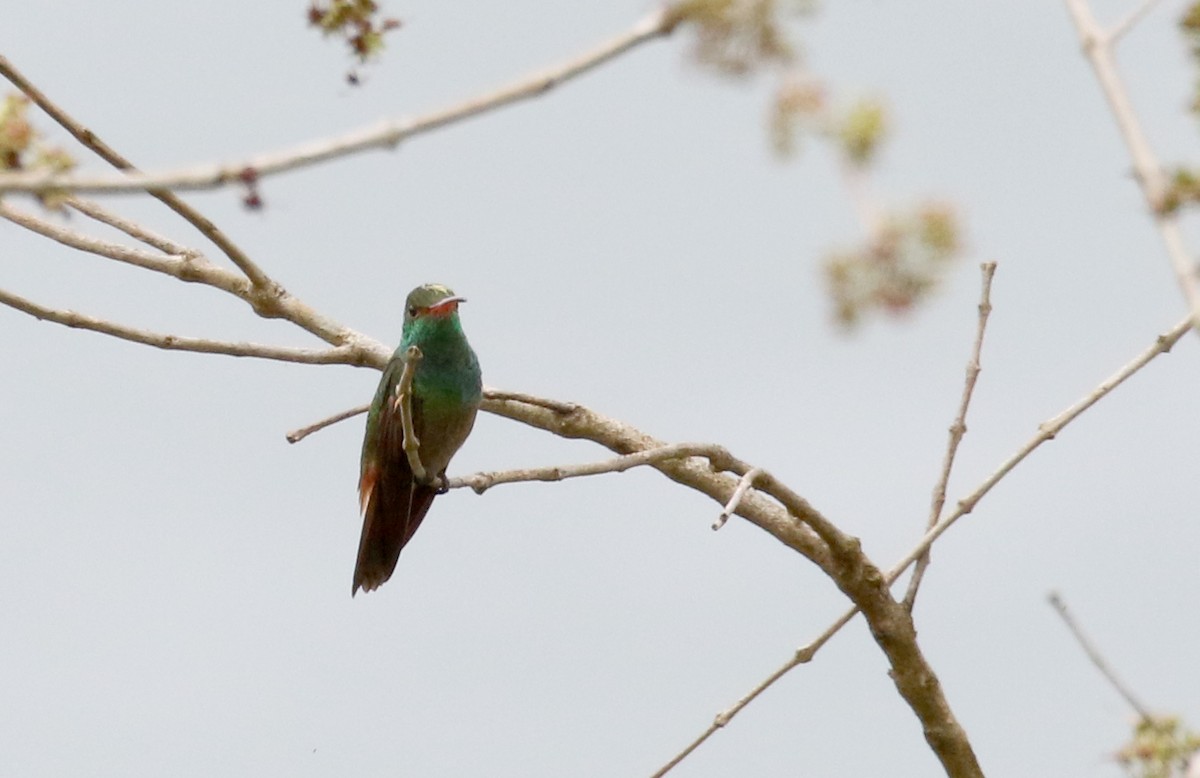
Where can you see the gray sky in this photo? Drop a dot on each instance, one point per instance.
(174, 577)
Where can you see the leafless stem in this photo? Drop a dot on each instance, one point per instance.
(253, 272)
(171, 264)
(1098, 48)
(1089, 648)
(385, 135)
(350, 348)
(799, 657)
(1131, 19)
(412, 446)
(738, 493)
(490, 479)
(481, 482)
(94, 210)
(339, 355)
(557, 406)
(801, 527)
(1046, 431)
(191, 266)
(957, 429)
(295, 436)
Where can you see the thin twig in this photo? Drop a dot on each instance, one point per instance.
(1089, 648)
(266, 297)
(253, 272)
(1046, 431)
(481, 482)
(1131, 19)
(412, 446)
(800, 656)
(295, 436)
(495, 395)
(957, 429)
(1098, 48)
(172, 265)
(385, 135)
(94, 210)
(520, 397)
(738, 493)
(191, 266)
(339, 355)
(806, 530)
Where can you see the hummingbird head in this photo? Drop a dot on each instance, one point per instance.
(431, 301)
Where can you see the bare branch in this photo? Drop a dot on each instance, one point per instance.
(94, 210)
(341, 355)
(490, 479)
(557, 406)
(186, 266)
(1060, 607)
(253, 272)
(481, 482)
(1098, 48)
(957, 429)
(193, 267)
(1125, 25)
(403, 402)
(385, 135)
(802, 528)
(1046, 431)
(295, 436)
(738, 493)
(799, 657)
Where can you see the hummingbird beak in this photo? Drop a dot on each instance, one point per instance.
(444, 307)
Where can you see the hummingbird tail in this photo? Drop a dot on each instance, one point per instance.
(393, 509)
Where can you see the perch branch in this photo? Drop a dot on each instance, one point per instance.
(798, 525)
(957, 429)
(1089, 648)
(1098, 49)
(297, 435)
(403, 401)
(481, 482)
(1046, 431)
(385, 135)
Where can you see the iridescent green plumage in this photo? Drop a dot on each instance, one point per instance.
(446, 390)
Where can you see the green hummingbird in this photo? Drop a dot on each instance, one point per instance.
(446, 391)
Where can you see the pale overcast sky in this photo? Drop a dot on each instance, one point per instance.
(174, 577)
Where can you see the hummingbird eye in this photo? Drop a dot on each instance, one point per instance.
(412, 311)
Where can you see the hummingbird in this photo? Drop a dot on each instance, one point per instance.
(446, 391)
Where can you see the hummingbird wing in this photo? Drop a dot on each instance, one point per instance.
(392, 501)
